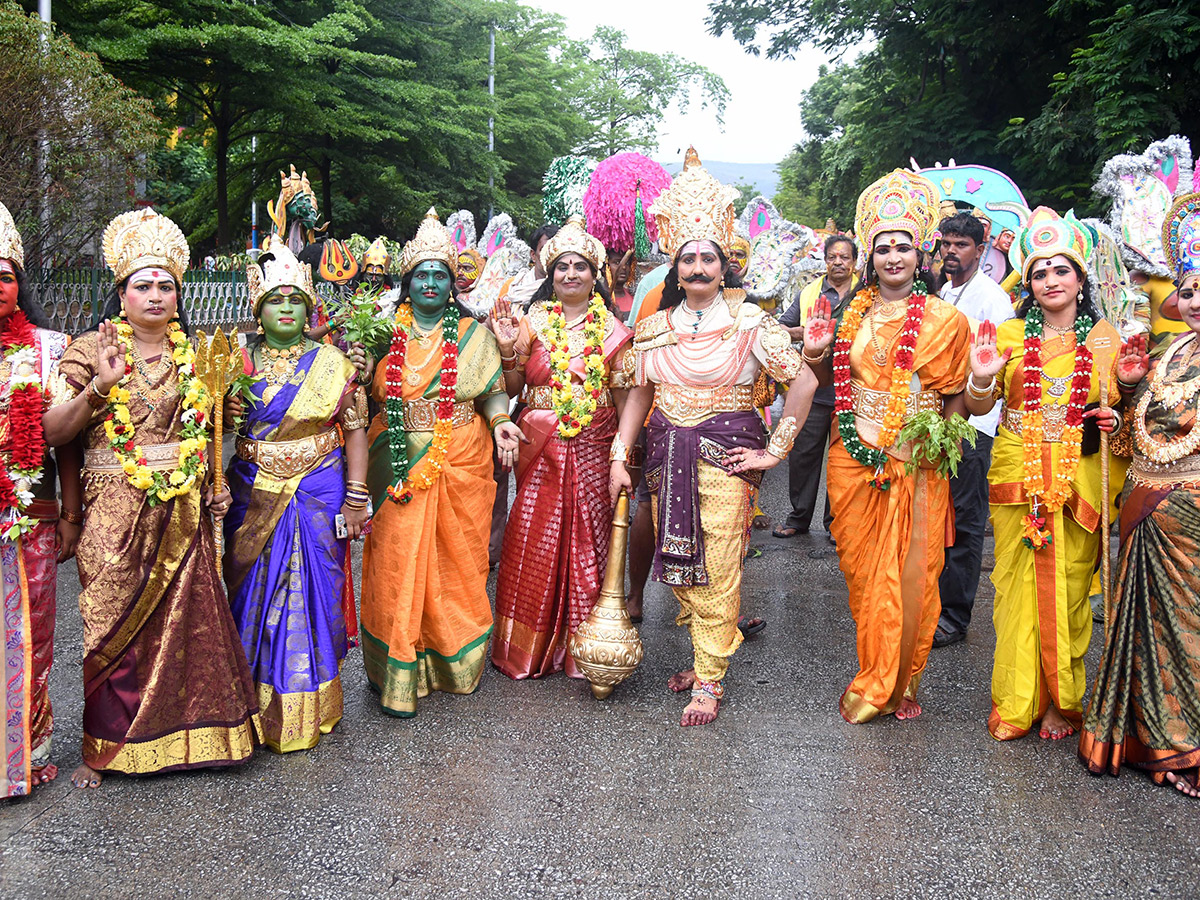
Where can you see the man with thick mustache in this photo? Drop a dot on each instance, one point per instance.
(978, 297)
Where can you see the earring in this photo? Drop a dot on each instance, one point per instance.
(123, 309)
(259, 329)
(722, 287)
(1079, 297)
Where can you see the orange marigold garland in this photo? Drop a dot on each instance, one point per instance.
(898, 389)
(1050, 498)
(23, 469)
(429, 469)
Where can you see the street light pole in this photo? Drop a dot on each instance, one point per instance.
(491, 117)
(44, 147)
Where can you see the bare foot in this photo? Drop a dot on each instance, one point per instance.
(682, 681)
(701, 711)
(762, 521)
(44, 774)
(908, 709)
(86, 777)
(1185, 781)
(633, 606)
(1054, 726)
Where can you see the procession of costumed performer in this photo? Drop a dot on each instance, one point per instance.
(505, 257)
(295, 211)
(1046, 496)
(461, 225)
(615, 208)
(377, 265)
(285, 563)
(35, 536)
(165, 680)
(1144, 710)
(426, 616)
(900, 358)
(697, 360)
(565, 361)
(1142, 188)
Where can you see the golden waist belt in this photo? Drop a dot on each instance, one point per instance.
(287, 459)
(419, 415)
(872, 405)
(688, 406)
(1181, 473)
(1054, 420)
(538, 396)
(159, 457)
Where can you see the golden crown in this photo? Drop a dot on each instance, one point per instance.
(275, 268)
(696, 207)
(142, 238)
(377, 256)
(899, 201)
(293, 183)
(573, 238)
(10, 238)
(431, 242)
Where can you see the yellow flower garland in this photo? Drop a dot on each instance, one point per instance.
(571, 414)
(193, 435)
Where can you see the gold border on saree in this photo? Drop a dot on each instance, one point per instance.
(537, 396)
(420, 415)
(1183, 473)
(1054, 420)
(287, 459)
(159, 457)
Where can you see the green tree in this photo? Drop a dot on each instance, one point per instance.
(627, 93)
(95, 134)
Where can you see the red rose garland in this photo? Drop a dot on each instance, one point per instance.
(18, 338)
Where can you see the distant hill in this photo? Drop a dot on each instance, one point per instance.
(762, 175)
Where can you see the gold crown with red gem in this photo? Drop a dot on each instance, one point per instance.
(899, 201)
(696, 207)
(431, 243)
(573, 238)
(142, 238)
(278, 267)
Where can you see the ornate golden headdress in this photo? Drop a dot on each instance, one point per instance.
(696, 207)
(431, 242)
(1180, 235)
(10, 238)
(142, 238)
(376, 259)
(573, 238)
(291, 184)
(275, 268)
(1047, 234)
(900, 201)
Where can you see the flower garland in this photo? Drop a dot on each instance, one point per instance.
(193, 434)
(898, 389)
(573, 415)
(1050, 498)
(431, 464)
(23, 471)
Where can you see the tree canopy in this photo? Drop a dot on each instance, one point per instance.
(1043, 92)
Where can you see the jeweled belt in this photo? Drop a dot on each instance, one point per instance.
(687, 406)
(1181, 473)
(538, 396)
(287, 459)
(420, 415)
(872, 405)
(159, 457)
(1054, 420)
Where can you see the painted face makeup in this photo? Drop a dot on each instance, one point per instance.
(150, 297)
(9, 288)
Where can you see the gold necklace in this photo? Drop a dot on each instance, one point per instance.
(278, 367)
(416, 368)
(1172, 393)
(1166, 452)
(879, 353)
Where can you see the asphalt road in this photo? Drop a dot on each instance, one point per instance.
(535, 789)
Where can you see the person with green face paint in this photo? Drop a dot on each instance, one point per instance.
(426, 617)
(299, 472)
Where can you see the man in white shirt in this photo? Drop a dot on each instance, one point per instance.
(978, 297)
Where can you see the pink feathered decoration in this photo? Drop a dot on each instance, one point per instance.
(612, 193)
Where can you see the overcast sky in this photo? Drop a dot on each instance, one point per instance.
(762, 121)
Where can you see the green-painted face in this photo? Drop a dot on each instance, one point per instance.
(283, 316)
(304, 209)
(430, 289)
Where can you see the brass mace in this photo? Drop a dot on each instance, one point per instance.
(606, 645)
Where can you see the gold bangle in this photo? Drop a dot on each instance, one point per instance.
(784, 437)
(814, 362)
(357, 484)
(72, 516)
(619, 452)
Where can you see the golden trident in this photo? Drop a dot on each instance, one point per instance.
(217, 365)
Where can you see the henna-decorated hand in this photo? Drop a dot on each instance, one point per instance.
(986, 360)
(819, 330)
(504, 326)
(1134, 361)
(742, 459)
(1106, 417)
